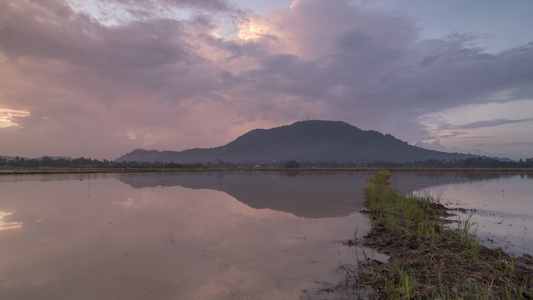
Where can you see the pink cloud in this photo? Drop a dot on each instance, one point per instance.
(173, 84)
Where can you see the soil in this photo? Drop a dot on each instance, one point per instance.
(442, 267)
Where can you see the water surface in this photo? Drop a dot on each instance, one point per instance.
(234, 235)
(217, 235)
(501, 204)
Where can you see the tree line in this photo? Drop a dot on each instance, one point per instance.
(82, 162)
(471, 162)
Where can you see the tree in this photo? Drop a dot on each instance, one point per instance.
(291, 164)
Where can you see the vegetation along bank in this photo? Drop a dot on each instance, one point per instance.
(431, 257)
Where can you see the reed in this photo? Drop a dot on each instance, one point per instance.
(428, 258)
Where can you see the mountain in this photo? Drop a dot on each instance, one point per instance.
(313, 140)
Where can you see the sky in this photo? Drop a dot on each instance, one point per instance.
(100, 78)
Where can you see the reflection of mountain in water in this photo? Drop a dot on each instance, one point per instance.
(410, 181)
(310, 195)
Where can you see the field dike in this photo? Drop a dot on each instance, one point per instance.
(429, 257)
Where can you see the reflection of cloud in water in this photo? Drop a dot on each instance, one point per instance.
(129, 202)
(171, 236)
(159, 242)
(5, 224)
(410, 181)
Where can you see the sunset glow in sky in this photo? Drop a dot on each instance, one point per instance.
(100, 78)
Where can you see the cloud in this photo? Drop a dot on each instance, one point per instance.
(209, 5)
(490, 123)
(127, 10)
(174, 83)
(435, 145)
(375, 61)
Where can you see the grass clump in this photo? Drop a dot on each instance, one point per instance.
(429, 260)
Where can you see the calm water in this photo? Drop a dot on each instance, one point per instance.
(235, 235)
(176, 236)
(501, 203)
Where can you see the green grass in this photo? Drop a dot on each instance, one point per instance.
(429, 259)
(401, 213)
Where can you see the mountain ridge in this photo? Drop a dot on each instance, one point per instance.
(311, 140)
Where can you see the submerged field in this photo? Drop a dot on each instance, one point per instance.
(250, 234)
(430, 258)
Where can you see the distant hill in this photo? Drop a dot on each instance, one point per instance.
(315, 140)
(8, 158)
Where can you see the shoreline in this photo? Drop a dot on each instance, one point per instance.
(403, 247)
(59, 170)
(428, 257)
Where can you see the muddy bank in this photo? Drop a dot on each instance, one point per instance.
(443, 267)
(429, 259)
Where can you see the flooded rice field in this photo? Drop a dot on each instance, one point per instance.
(242, 235)
(499, 205)
(215, 235)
